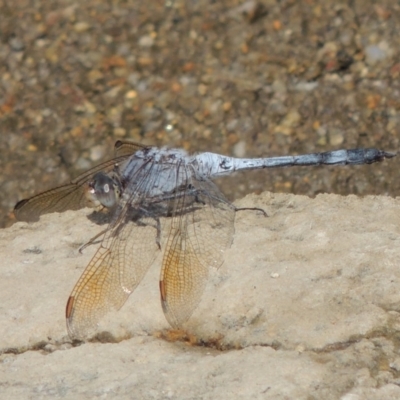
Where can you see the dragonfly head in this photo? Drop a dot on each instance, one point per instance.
(105, 189)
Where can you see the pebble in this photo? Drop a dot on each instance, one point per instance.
(336, 136)
(376, 53)
(131, 94)
(94, 76)
(81, 27)
(306, 86)
(278, 86)
(97, 152)
(292, 119)
(119, 132)
(146, 41)
(90, 108)
(239, 149)
(16, 44)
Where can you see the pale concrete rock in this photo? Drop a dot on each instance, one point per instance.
(306, 305)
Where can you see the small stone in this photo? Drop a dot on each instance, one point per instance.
(146, 41)
(16, 44)
(32, 147)
(145, 61)
(94, 76)
(90, 108)
(279, 86)
(97, 152)
(376, 53)
(202, 89)
(49, 348)
(306, 86)
(46, 112)
(218, 45)
(336, 137)
(120, 132)
(239, 149)
(292, 119)
(112, 93)
(81, 27)
(131, 94)
(227, 106)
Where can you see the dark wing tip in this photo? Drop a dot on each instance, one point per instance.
(20, 204)
(70, 307)
(127, 147)
(118, 144)
(132, 145)
(22, 214)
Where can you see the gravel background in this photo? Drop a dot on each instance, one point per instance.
(243, 78)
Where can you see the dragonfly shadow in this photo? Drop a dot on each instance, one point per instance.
(100, 217)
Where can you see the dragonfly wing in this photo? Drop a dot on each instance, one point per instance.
(127, 251)
(125, 147)
(72, 196)
(202, 228)
(54, 200)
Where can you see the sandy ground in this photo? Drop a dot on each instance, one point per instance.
(305, 306)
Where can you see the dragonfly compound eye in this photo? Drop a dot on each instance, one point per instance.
(104, 189)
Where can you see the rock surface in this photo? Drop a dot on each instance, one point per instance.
(306, 306)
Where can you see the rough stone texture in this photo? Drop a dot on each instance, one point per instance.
(306, 306)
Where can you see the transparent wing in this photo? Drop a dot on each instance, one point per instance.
(202, 228)
(126, 252)
(72, 196)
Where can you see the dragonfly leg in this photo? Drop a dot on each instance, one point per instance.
(158, 225)
(92, 240)
(158, 236)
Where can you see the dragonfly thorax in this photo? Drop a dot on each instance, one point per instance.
(163, 155)
(153, 172)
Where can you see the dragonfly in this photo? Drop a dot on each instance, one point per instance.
(149, 190)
